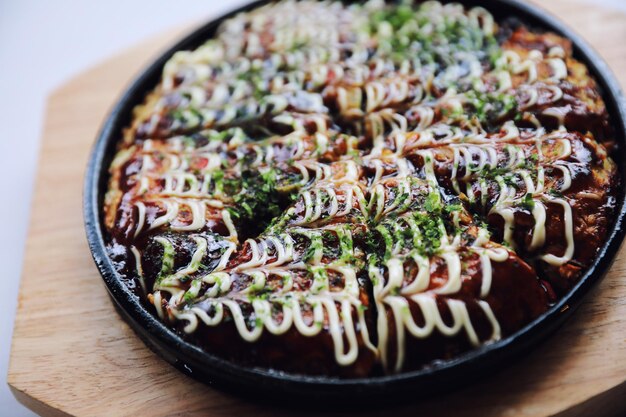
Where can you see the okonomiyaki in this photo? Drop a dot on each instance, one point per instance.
(356, 190)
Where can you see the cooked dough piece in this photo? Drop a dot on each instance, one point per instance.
(357, 190)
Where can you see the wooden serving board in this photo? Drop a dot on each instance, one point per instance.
(73, 355)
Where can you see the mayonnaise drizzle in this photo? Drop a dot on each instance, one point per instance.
(319, 66)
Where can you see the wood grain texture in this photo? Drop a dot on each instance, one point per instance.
(73, 356)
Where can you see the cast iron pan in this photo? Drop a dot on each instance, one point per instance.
(272, 385)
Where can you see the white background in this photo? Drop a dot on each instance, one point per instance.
(42, 44)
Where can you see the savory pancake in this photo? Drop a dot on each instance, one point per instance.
(352, 190)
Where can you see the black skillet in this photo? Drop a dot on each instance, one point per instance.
(324, 391)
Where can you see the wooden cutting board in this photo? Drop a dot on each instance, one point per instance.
(73, 355)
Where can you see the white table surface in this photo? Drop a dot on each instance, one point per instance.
(42, 44)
